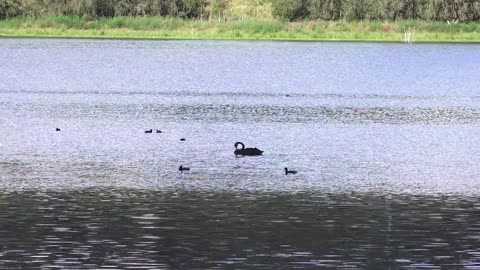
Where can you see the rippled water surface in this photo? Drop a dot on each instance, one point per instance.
(384, 136)
(133, 229)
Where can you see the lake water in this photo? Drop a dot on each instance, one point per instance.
(384, 137)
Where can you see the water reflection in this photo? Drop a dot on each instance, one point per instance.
(135, 229)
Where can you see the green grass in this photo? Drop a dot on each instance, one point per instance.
(250, 29)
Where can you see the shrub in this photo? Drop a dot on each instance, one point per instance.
(290, 9)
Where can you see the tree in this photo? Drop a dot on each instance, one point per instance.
(8, 8)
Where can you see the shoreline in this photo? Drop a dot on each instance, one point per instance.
(452, 42)
(223, 38)
(159, 28)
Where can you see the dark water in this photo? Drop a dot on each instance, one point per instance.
(384, 136)
(133, 229)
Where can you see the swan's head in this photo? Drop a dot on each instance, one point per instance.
(241, 144)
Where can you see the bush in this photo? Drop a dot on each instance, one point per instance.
(218, 8)
(325, 9)
(290, 9)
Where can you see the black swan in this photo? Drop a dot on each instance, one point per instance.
(289, 172)
(246, 151)
(181, 168)
(149, 131)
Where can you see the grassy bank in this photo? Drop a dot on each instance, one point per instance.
(249, 29)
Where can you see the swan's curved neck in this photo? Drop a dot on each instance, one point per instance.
(241, 144)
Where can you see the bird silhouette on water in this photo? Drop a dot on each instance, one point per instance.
(181, 168)
(159, 131)
(149, 131)
(289, 172)
(182, 139)
(57, 129)
(246, 151)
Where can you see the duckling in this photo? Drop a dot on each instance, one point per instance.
(289, 172)
(181, 168)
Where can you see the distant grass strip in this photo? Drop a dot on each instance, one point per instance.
(248, 29)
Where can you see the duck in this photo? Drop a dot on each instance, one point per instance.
(246, 151)
(289, 172)
(181, 168)
(182, 139)
(149, 131)
(57, 129)
(159, 131)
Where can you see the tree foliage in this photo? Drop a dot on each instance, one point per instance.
(292, 10)
(103, 8)
(8, 8)
(439, 10)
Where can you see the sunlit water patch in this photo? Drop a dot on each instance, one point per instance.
(369, 143)
(338, 114)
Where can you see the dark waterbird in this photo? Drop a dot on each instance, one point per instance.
(159, 131)
(246, 151)
(181, 168)
(182, 139)
(57, 129)
(289, 172)
(149, 131)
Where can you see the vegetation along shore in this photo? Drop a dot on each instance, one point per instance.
(342, 20)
